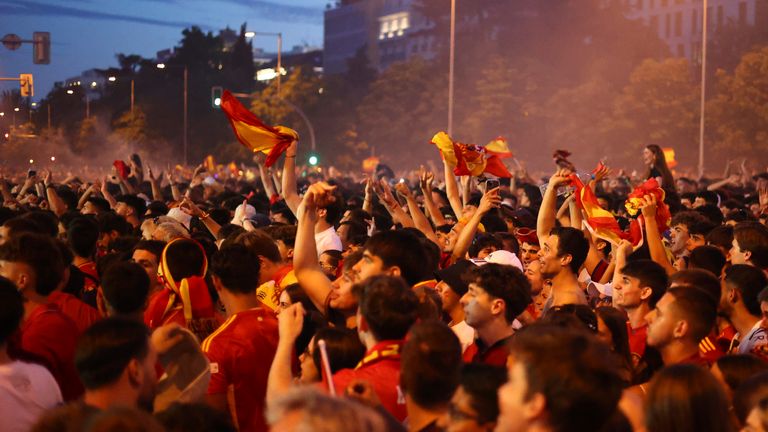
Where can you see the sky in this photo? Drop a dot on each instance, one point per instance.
(88, 34)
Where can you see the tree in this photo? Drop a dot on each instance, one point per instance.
(738, 115)
(300, 88)
(131, 128)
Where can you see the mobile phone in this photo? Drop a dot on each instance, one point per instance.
(491, 184)
(31, 173)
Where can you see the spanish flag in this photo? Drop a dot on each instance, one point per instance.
(254, 134)
(650, 187)
(469, 159)
(499, 147)
(599, 220)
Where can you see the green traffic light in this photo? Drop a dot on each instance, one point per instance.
(313, 160)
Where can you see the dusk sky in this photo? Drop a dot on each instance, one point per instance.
(88, 34)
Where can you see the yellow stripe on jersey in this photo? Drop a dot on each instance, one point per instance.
(207, 342)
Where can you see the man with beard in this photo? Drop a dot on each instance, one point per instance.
(116, 363)
(739, 304)
(562, 253)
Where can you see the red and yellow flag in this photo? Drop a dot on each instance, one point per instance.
(469, 159)
(253, 133)
(499, 147)
(650, 187)
(600, 221)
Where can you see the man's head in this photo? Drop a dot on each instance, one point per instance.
(262, 245)
(147, 254)
(17, 225)
(285, 238)
(563, 251)
(184, 258)
(740, 288)
(126, 288)
(130, 206)
(689, 229)
(395, 253)
(452, 284)
(387, 307)
(684, 314)
(11, 310)
(698, 278)
(117, 353)
(560, 379)
(33, 262)
(475, 404)
(235, 269)
(95, 205)
(431, 364)
(82, 236)
(748, 238)
(496, 292)
(307, 409)
(640, 281)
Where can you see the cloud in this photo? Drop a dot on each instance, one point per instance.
(269, 9)
(32, 8)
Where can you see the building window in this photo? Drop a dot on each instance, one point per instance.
(678, 23)
(742, 13)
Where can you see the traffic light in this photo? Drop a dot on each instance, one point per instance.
(42, 51)
(313, 159)
(216, 92)
(27, 87)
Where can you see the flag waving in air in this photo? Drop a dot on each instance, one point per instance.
(600, 221)
(469, 159)
(254, 134)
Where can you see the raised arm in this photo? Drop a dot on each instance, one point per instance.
(290, 193)
(546, 219)
(157, 192)
(419, 220)
(452, 190)
(54, 201)
(490, 200)
(175, 192)
(108, 196)
(190, 208)
(384, 193)
(280, 379)
(310, 275)
(652, 235)
(425, 182)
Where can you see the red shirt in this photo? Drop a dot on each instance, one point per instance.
(494, 355)
(89, 268)
(380, 367)
(716, 345)
(241, 353)
(637, 342)
(51, 337)
(77, 310)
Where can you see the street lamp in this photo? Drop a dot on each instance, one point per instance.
(186, 79)
(113, 78)
(452, 58)
(279, 68)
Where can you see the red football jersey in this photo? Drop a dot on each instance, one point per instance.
(380, 367)
(77, 310)
(241, 353)
(494, 355)
(637, 342)
(51, 337)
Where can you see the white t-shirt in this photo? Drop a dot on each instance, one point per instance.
(756, 337)
(26, 391)
(465, 333)
(327, 240)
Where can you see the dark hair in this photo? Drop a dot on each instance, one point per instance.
(737, 368)
(571, 241)
(19, 224)
(46, 220)
(82, 236)
(697, 308)
(575, 372)
(748, 394)
(41, 254)
(507, 283)
(155, 247)
(430, 364)
(282, 209)
(481, 382)
(660, 163)
(138, 205)
(721, 236)
(343, 346)
(100, 203)
(105, 349)
(126, 287)
(110, 221)
(482, 241)
(650, 274)
(509, 242)
(194, 417)
(237, 267)
(184, 258)
(713, 216)
(685, 397)
(694, 221)
(616, 321)
(388, 305)
(708, 258)
(284, 233)
(699, 278)
(357, 232)
(261, 244)
(749, 281)
(229, 230)
(750, 235)
(572, 315)
(401, 249)
(11, 309)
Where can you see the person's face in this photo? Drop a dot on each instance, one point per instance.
(628, 293)
(88, 208)
(680, 238)
(448, 297)
(522, 198)
(755, 421)
(4, 234)
(284, 302)
(462, 417)
(343, 233)
(17, 272)
(148, 261)
(369, 265)
(484, 252)
(698, 202)
(648, 157)
(123, 209)
(328, 268)
(283, 249)
(478, 305)
(516, 411)
(309, 372)
(278, 218)
(551, 264)
(764, 310)
(529, 253)
(533, 273)
(738, 255)
(604, 333)
(341, 297)
(148, 380)
(661, 322)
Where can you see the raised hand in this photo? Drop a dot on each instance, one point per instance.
(190, 208)
(490, 200)
(560, 177)
(648, 206)
(290, 322)
(403, 189)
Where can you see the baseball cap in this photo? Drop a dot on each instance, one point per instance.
(502, 257)
(453, 276)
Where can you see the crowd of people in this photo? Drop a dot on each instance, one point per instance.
(310, 300)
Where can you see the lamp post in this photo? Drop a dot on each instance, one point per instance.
(279, 68)
(451, 59)
(703, 85)
(186, 81)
